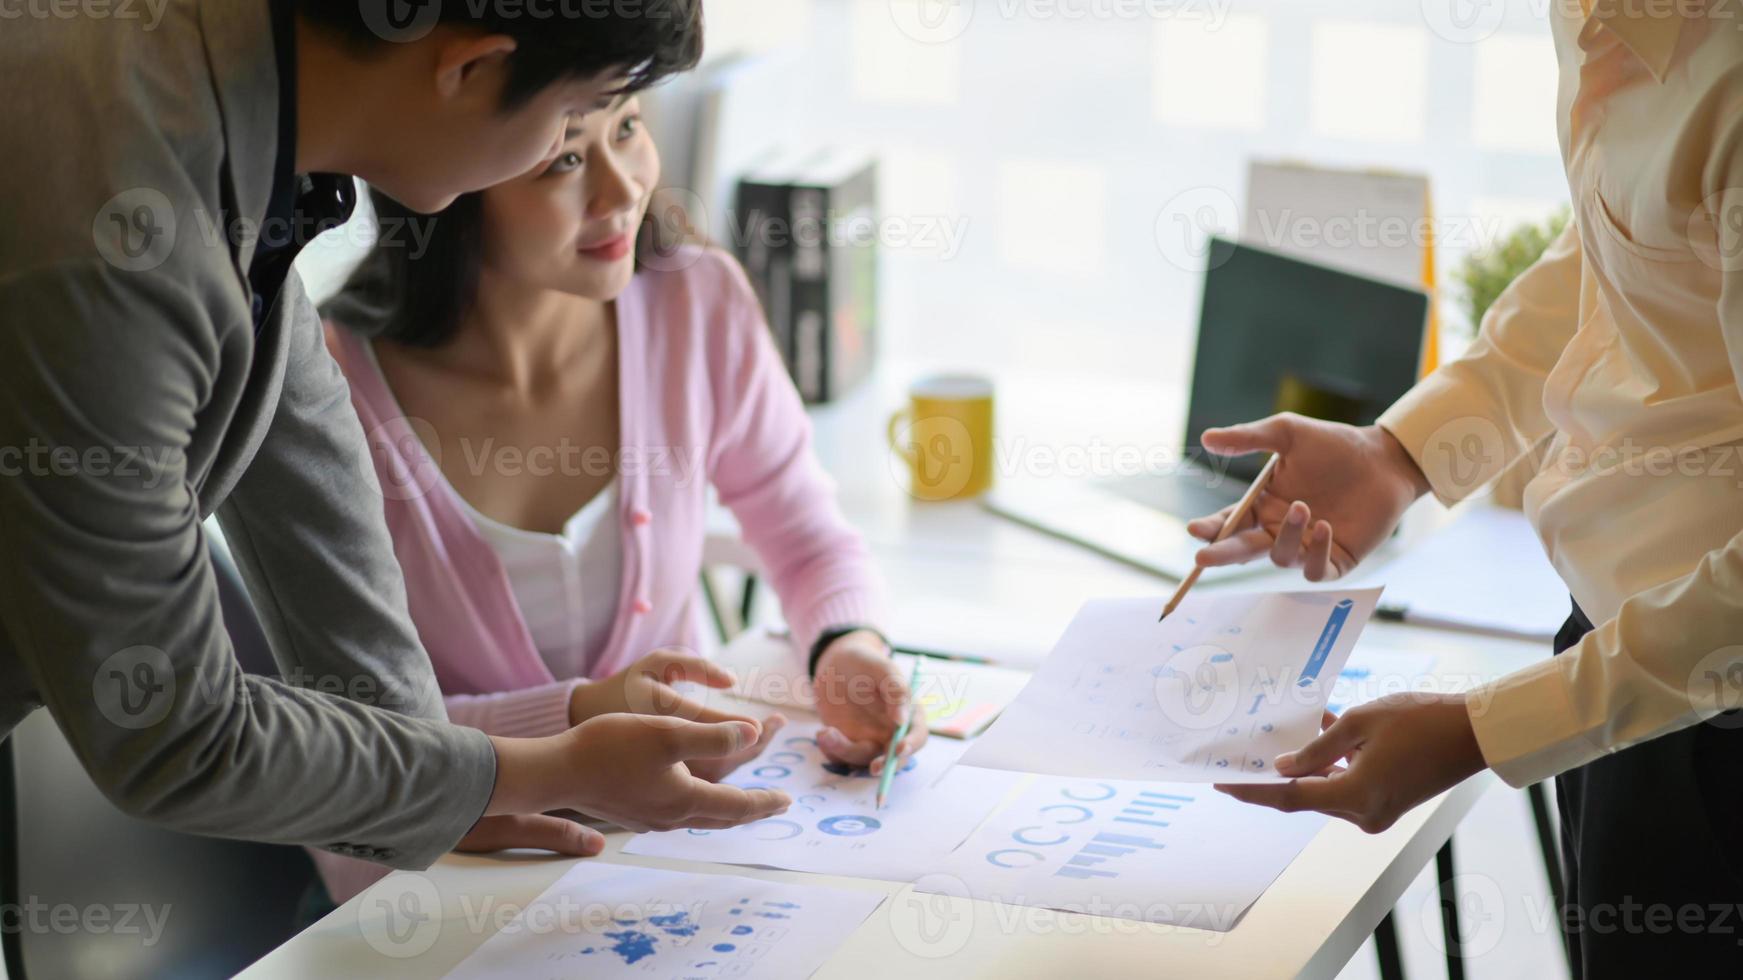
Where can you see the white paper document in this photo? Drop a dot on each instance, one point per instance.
(612, 920)
(1211, 694)
(1485, 571)
(1373, 672)
(834, 826)
(1179, 853)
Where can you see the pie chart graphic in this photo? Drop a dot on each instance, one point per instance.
(848, 825)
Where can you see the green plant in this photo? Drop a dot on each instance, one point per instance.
(1485, 273)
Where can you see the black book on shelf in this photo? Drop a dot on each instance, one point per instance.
(806, 231)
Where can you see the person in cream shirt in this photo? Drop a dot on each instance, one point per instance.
(1618, 358)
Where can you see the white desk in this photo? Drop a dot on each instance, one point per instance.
(1309, 923)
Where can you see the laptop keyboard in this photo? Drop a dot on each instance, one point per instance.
(1185, 493)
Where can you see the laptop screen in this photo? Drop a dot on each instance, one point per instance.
(1276, 333)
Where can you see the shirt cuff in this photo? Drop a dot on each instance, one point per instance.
(473, 761)
(1448, 428)
(1526, 725)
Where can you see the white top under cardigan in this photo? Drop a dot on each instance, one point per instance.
(566, 584)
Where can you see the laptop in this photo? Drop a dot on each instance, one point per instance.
(1275, 333)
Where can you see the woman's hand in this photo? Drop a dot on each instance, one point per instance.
(1337, 492)
(862, 699)
(1401, 750)
(645, 688)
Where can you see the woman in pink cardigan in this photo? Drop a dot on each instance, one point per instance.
(547, 411)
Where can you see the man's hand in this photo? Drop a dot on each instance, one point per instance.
(535, 831)
(862, 699)
(645, 687)
(1402, 749)
(1336, 494)
(632, 770)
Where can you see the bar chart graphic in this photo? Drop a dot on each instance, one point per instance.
(1149, 851)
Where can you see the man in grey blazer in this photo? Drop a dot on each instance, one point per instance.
(159, 362)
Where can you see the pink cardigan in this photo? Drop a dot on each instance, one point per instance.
(704, 399)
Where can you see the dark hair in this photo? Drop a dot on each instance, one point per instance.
(645, 40)
(415, 296)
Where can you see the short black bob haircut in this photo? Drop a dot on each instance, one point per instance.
(556, 40)
(419, 297)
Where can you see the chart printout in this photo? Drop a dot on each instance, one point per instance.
(1213, 693)
(612, 920)
(834, 826)
(1179, 853)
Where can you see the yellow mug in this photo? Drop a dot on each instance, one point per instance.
(945, 436)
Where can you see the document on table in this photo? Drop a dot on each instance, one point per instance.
(1485, 571)
(834, 826)
(1211, 694)
(612, 920)
(1179, 853)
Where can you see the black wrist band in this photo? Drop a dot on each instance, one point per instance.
(830, 636)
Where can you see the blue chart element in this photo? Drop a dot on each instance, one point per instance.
(774, 828)
(849, 825)
(1021, 836)
(676, 924)
(996, 858)
(632, 945)
(1146, 806)
(742, 930)
(1355, 673)
(1328, 638)
(1104, 847)
(1258, 699)
(1071, 793)
(1221, 658)
(1086, 811)
(724, 947)
(782, 905)
(771, 772)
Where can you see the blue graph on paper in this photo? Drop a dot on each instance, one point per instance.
(637, 939)
(1328, 638)
(632, 940)
(1095, 832)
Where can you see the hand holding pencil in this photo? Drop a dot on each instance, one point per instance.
(1334, 494)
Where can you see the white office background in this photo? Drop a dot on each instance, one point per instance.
(1060, 133)
(1054, 134)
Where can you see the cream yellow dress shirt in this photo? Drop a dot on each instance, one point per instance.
(1620, 354)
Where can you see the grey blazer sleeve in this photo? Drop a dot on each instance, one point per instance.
(108, 598)
(306, 525)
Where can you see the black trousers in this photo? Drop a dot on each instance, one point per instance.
(1652, 843)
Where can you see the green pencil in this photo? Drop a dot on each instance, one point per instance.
(891, 764)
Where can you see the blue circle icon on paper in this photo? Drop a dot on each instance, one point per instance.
(774, 828)
(848, 826)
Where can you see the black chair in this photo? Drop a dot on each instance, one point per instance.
(215, 906)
